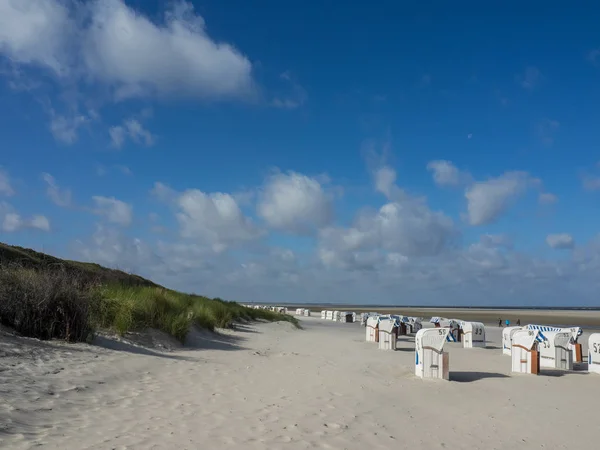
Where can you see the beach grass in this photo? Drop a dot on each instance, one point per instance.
(70, 300)
(126, 308)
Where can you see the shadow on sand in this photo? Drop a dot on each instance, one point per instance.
(201, 339)
(469, 377)
(405, 349)
(243, 328)
(120, 346)
(560, 373)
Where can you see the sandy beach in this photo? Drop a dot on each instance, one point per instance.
(273, 386)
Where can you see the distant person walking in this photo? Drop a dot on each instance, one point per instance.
(518, 322)
(507, 322)
(500, 322)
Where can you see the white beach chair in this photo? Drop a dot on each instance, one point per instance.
(524, 352)
(430, 359)
(594, 353)
(473, 334)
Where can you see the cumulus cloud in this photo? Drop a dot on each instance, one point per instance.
(115, 211)
(60, 197)
(109, 246)
(404, 227)
(132, 129)
(37, 32)
(560, 241)
(6, 188)
(488, 200)
(445, 173)
(40, 223)
(213, 219)
(385, 182)
(294, 203)
(108, 42)
(388, 253)
(12, 221)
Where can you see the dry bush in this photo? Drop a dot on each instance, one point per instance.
(45, 304)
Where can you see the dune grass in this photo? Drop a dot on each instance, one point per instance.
(60, 302)
(125, 308)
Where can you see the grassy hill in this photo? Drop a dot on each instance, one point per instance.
(15, 256)
(50, 298)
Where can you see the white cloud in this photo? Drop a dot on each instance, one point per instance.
(405, 228)
(115, 211)
(356, 265)
(5, 184)
(65, 129)
(117, 136)
(447, 174)
(12, 221)
(560, 241)
(385, 182)
(110, 247)
(213, 218)
(177, 58)
(488, 200)
(40, 222)
(60, 197)
(546, 198)
(108, 42)
(402, 229)
(295, 203)
(132, 129)
(37, 32)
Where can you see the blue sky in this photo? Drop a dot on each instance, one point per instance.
(308, 151)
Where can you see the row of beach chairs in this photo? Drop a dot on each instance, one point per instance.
(532, 347)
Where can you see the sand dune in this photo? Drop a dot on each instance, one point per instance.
(271, 386)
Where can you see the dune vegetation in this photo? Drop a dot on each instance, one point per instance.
(49, 298)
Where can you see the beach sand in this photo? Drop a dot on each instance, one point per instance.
(272, 386)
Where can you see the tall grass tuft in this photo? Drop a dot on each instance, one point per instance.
(45, 305)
